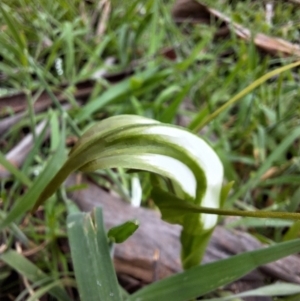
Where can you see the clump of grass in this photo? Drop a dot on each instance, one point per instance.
(53, 47)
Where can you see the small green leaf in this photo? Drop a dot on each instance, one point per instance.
(120, 233)
(136, 82)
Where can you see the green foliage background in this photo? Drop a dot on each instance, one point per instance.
(53, 46)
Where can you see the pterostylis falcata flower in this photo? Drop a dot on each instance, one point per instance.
(183, 168)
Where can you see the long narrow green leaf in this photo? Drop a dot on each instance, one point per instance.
(27, 269)
(93, 267)
(277, 289)
(204, 279)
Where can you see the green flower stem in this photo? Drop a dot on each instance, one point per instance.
(243, 93)
(258, 214)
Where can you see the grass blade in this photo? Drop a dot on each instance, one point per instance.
(243, 93)
(115, 92)
(279, 151)
(14, 171)
(93, 267)
(28, 200)
(45, 289)
(204, 279)
(23, 266)
(17, 35)
(278, 289)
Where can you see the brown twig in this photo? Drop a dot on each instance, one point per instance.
(192, 10)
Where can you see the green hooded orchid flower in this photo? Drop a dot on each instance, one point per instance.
(184, 168)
